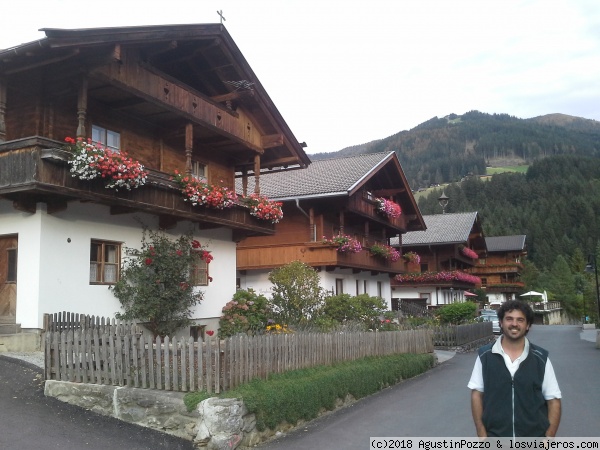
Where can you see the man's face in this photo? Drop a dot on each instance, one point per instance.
(514, 325)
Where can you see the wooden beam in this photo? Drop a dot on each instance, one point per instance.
(166, 222)
(272, 140)
(388, 192)
(231, 96)
(56, 206)
(189, 146)
(257, 174)
(2, 110)
(82, 97)
(28, 206)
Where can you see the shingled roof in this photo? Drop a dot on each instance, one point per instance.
(442, 229)
(325, 177)
(505, 243)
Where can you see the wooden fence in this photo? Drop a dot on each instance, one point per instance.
(457, 335)
(116, 354)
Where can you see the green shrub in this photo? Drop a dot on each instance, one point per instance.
(361, 308)
(248, 312)
(457, 313)
(301, 394)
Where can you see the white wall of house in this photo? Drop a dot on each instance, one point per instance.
(437, 296)
(54, 260)
(259, 281)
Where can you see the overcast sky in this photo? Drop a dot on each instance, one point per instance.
(346, 72)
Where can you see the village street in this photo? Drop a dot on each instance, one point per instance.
(437, 404)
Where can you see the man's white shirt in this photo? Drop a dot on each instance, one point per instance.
(550, 389)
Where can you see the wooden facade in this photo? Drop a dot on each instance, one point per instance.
(311, 219)
(174, 98)
(171, 93)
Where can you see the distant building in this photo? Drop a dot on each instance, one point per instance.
(447, 250)
(500, 270)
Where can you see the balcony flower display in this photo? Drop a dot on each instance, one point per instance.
(344, 243)
(385, 252)
(263, 208)
(466, 251)
(388, 208)
(199, 193)
(91, 160)
(412, 257)
(437, 277)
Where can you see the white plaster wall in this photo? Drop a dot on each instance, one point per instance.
(54, 251)
(259, 281)
(438, 296)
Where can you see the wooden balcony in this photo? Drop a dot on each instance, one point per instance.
(496, 269)
(515, 286)
(314, 254)
(35, 170)
(368, 208)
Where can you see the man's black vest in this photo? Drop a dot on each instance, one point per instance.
(514, 406)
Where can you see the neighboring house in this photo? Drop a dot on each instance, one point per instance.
(174, 97)
(500, 270)
(447, 249)
(335, 199)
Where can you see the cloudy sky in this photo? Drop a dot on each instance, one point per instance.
(348, 72)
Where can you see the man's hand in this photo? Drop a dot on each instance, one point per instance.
(477, 412)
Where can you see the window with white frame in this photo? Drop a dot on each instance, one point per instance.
(105, 259)
(108, 138)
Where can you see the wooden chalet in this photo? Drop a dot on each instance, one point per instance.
(174, 97)
(500, 270)
(333, 197)
(448, 249)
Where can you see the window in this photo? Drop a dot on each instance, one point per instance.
(199, 275)
(357, 287)
(379, 289)
(199, 170)
(425, 267)
(339, 286)
(105, 258)
(365, 286)
(11, 276)
(109, 139)
(483, 282)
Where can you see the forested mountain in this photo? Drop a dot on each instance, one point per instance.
(556, 205)
(449, 148)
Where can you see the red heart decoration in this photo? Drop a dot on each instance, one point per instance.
(210, 332)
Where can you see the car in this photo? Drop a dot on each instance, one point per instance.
(491, 317)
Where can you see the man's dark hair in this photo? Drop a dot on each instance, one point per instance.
(511, 305)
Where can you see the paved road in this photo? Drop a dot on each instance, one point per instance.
(29, 420)
(437, 403)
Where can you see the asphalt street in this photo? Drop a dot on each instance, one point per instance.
(29, 420)
(437, 403)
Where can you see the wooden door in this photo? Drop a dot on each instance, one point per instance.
(8, 277)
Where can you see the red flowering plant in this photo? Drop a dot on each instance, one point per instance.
(199, 193)
(412, 257)
(90, 160)
(385, 252)
(466, 251)
(388, 208)
(263, 208)
(156, 284)
(433, 277)
(344, 243)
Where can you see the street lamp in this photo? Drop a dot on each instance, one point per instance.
(443, 201)
(592, 266)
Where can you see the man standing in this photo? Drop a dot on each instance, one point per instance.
(514, 392)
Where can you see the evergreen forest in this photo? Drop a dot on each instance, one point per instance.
(555, 204)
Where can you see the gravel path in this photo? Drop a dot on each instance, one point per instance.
(36, 358)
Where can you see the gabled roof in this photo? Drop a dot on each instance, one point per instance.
(342, 177)
(505, 243)
(325, 177)
(201, 59)
(442, 229)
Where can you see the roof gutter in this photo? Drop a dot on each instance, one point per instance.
(300, 208)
